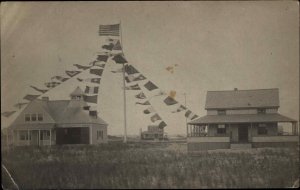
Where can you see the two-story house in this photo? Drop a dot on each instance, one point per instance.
(240, 118)
(153, 132)
(46, 122)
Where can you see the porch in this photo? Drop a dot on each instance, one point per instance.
(34, 137)
(237, 135)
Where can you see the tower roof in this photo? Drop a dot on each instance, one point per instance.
(77, 92)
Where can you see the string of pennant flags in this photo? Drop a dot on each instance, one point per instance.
(150, 86)
(112, 51)
(58, 80)
(90, 91)
(133, 75)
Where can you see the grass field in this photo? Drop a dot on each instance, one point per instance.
(156, 165)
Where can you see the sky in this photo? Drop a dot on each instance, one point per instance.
(216, 45)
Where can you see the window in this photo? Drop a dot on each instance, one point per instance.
(27, 117)
(221, 112)
(33, 117)
(45, 135)
(262, 129)
(40, 117)
(24, 135)
(99, 134)
(221, 129)
(261, 111)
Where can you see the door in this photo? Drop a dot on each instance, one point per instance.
(243, 133)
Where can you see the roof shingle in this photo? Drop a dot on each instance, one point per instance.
(242, 99)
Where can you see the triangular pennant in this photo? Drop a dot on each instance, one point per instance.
(133, 87)
(162, 125)
(81, 66)
(190, 115)
(149, 110)
(117, 46)
(170, 101)
(140, 77)
(91, 90)
(7, 113)
(96, 71)
(39, 90)
(150, 86)
(129, 69)
(59, 78)
(129, 78)
(143, 103)
(119, 59)
(141, 95)
(108, 47)
(72, 73)
(91, 99)
(51, 84)
(181, 108)
(30, 97)
(155, 117)
(102, 58)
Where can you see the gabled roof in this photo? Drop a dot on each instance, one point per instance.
(242, 99)
(241, 118)
(78, 115)
(55, 108)
(60, 111)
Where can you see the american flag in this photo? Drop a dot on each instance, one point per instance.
(109, 30)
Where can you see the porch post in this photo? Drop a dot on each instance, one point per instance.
(295, 128)
(91, 134)
(28, 137)
(251, 131)
(13, 138)
(50, 137)
(39, 139)
(187, 130)
(16, 138)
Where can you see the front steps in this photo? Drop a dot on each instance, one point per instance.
(241, 146)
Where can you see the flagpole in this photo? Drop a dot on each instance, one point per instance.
(187, 131)
(124, 91)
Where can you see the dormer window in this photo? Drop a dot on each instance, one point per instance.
(261, 111)
(33, 117)
(40, 117)
(76, 97)
(221, 112)
(27, 117)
